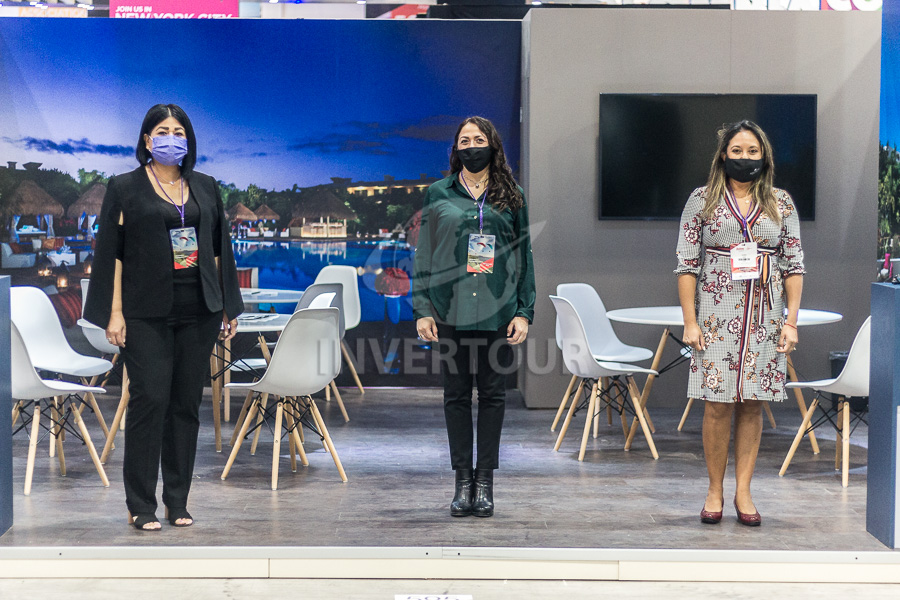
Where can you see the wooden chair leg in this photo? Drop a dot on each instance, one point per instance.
(16, 410)
(622, 415)
(769, 414)
(327, 438)
(276, 443)
(298, 443)
(328, 393)
(350, 364)
(260, 416)
(340, 401)
(226, 379)
(240, 438)
(216, 385)
(562, 405)
(845, 451)
(837, 441)
(588, 420)
(117, 420)
(806, 419)
(687, 411)
(92, 401)
(95, 458)
(292, 449)
(32, 446)
(605, 386)
(61, 455)
(54, 428)
(801, 403)
(648, 419)
(243, 414)
(635, 399)
(572, 406)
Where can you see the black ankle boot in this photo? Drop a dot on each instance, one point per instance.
(483, 504)
(462, 500)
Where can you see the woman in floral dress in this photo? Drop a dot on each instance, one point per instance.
(734, 301)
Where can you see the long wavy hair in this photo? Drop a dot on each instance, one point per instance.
(502, 189)
(762, 189)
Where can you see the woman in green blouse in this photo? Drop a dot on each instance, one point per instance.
(473, 292)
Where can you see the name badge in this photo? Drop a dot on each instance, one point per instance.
(743, 261)
(481, 254)
(185, 248)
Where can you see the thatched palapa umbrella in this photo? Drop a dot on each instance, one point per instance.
(29, 199)
(264, 213)
(88, 205)
(239, 212)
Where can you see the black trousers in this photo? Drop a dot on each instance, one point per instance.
(168, 364)
(485, 358)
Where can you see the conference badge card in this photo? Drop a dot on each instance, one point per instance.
(481, 254)
(185, 248)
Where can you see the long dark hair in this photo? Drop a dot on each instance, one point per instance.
(502, 189)
(762, 189)
(156, 115)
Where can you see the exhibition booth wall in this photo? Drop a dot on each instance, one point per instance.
(631, 263)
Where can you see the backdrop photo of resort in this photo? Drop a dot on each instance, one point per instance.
(331, 169)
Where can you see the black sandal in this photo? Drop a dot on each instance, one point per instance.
(173, 514)
(138, 520)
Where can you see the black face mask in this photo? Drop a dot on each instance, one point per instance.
(744, 170)
(476, 159)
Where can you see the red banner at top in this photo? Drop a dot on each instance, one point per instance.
(174, 9)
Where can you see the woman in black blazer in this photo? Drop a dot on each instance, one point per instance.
(163, 273)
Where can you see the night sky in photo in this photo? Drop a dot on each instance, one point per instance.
(274, 103)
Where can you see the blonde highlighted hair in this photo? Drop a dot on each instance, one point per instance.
(762, 189)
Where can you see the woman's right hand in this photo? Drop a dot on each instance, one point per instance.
(115, 331)
(427, 329)
(693, 337)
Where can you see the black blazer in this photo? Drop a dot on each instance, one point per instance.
(142, 244)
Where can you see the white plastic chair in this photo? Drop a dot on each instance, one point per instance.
(602, 339)
(346, 276)
(96, 337)
(853, 381)
(307, 357)
(318, 295)
(29, 389)
(580, 361)
(33, 313)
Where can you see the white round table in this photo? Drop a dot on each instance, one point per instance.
(671, 316)
(270, 296)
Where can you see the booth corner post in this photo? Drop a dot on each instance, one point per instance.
(882, 503)
(6, 463)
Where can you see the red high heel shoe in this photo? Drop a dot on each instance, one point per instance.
(747, 519)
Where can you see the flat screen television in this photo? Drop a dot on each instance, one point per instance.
(655, 149)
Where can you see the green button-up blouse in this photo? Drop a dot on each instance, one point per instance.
(442, 287)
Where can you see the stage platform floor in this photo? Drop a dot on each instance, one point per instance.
(395, 454)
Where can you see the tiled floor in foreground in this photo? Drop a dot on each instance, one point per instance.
(395, 453)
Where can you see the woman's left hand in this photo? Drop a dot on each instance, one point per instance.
(229, 328)
(788, 340)
(517, 330)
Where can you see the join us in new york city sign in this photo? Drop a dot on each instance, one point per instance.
(174, 9)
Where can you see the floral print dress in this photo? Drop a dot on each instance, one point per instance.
(741, 321)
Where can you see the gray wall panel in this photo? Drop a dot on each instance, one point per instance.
(571, 56)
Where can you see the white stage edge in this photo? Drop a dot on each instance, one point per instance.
(451, 563)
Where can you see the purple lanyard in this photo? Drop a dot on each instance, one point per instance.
(180, 209)
(745, 227)
(480, 206)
